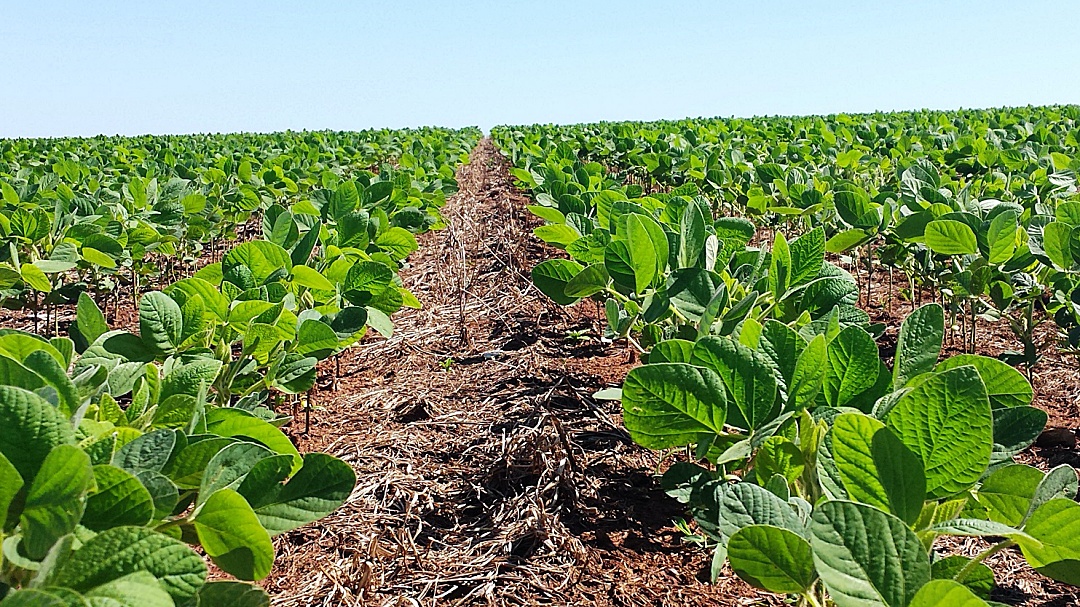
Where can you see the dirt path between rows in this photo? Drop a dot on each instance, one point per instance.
(487, 473)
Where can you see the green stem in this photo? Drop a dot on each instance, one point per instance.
(973, 563)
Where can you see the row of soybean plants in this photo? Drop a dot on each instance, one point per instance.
(809, 465)
(980, 206)
(122, 452)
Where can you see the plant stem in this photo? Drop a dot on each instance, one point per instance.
(973, 563)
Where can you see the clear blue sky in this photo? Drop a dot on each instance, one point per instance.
(83, 68)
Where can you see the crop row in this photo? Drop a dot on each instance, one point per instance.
(122, 450)
(810, 465)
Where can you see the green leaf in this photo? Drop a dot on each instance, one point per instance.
(779, 456)
(589, 281)
(139, 589)
(1057, 242)
(848, 239)
(229, 466)
(321, 486)
(232, 536)
(264, 261)
(56, 499)
(1002, 236)
(876, 468)
(809, 374)
(29, 428)
(120, 499)
(950, 237)
(552, 277)
(236, 423)
(161, 322)
(942, 593)
(32, 597)
(1007, 493)
(919, 344)
(232, 594)
(10, 485)
(747, 374)
(557, 234)
(186, 469)
(643, 259)
(89, 319)
(772, 558)
(397, 242)
(980, 579)
(743, 504)
(692, 236)
(672, 404)
(1055, 526)
(35, 278)
(780, 267)
(549, 214)
(807, 256)
(865, 556)
(311, 278)
(1005, 386)
(190, 378)
(853, 366)
(117, 552)
(946, 421)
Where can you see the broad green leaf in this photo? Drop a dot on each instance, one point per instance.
(1057, 243)
(231, 535)
(877, 469)
(35, 278)
(946, 421)
(121, 551)
(807, 256)
(747, 374)
(809, 374)
(779, 456)
(919, 344)
(397, 242)
(643, 257)
(1002, 236)
(950, 237)
(56, 499)
(743, 504)
(120, 499)
(1007, 493)
(552, 277)
(772, 558)
(1055, 526)
(672, 404)
(10, 485)
(30, 428)
(139, 589)
(232, 594)
(160, 322)
(865, 556)
(1061, 481)
(321, 486)
(229, 466)
(264, 261)
(311, 278)
(942, 593)
(980, 579)
(780, 267)
(587, 282)
(236, 423)
(1005, 386)
(692, 236)
(187, 468)
(190, 378)
(89, 319)
(853, 366)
